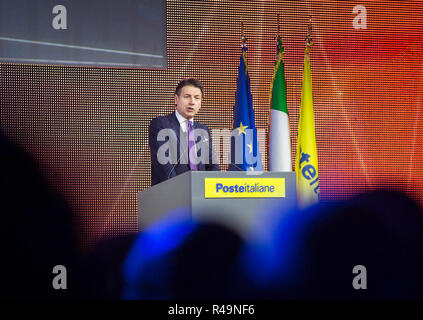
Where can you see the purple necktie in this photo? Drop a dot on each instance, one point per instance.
(191, 147)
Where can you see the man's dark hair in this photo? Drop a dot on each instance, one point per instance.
(189, 82)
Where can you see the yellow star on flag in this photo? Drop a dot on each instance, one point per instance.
(252, 168)
(241, 128)
(250, 147)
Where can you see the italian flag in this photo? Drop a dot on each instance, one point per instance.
(279, 138)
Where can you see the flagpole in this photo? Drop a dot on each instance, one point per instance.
(306, 164)
(243, 39)
(245, 152)
(278, 38)
(279, 141)
(279, 31)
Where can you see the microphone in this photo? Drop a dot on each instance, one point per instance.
(240, 169)
(203, 139)
(177, 161)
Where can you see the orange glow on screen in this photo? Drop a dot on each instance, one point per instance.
(87, 127)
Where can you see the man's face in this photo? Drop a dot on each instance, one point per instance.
(188, 102)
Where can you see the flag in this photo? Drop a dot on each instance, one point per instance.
(306, 167)
(279, 138)
(245, 155)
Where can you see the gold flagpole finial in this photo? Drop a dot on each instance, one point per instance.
(279, 29)
(309, 39)
(278, 37)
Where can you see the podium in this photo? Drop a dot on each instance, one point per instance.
(222, 197)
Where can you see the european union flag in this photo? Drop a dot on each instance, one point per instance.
(245, 155)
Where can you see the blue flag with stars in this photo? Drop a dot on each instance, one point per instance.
(245, 155)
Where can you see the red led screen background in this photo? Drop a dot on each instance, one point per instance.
(87, 127)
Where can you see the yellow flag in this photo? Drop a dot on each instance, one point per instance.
(306, 167)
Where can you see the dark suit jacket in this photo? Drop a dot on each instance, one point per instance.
(177, 149)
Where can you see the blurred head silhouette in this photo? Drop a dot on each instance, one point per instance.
(180, 259)
(365, 248)
(37, 230)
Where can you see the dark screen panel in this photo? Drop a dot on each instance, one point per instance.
(113, 33)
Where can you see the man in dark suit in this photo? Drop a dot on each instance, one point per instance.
(177, 142)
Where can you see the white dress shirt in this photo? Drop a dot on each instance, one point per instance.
(183, 121)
